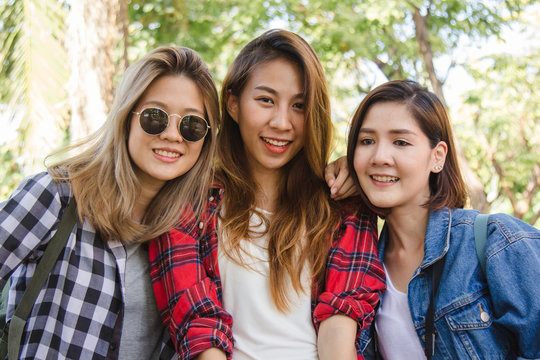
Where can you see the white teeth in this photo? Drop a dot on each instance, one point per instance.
(385, 178)
(276, 142)
(167, 153)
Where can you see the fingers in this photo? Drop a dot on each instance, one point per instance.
(338, 179)
(330, 173)
(341, 179)
(347, 189)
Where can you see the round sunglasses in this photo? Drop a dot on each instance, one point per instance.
(154, 121)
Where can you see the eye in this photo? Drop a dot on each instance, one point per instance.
(366, 141)
(265, 100)
(299, 106)
(401, 143)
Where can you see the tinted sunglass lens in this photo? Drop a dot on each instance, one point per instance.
(154, 121)
(193, 128)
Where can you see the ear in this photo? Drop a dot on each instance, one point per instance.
(439, 156)
(232, 106)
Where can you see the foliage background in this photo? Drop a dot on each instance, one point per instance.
(60, 60)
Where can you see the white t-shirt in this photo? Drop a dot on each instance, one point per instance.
(260, 330)
(395, 329)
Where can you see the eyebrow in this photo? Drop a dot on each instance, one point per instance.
(274, 92)
(392, 131)
(161, 105)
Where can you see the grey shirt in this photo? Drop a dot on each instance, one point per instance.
(142, 330)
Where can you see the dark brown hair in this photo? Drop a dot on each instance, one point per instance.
(304, 210)
(447, 188)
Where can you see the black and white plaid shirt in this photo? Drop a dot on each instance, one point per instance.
(79, 312)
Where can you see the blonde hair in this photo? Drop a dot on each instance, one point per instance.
(102, 175)
(305, 218)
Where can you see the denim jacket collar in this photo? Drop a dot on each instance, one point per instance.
(436, 245)
(437, 238)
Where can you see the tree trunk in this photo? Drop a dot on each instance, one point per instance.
(476, 191)
(91, 39)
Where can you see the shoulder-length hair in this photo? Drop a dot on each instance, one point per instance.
(301, 227)
(102, 174)
(447, 187)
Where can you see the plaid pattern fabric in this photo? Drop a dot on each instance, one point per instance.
(79, 312)
(185, 276)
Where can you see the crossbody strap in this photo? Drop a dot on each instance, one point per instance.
(480, 238)
(430, 315)
(43, 269)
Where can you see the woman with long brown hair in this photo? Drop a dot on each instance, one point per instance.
(276, 264)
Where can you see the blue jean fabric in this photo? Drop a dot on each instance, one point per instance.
(495, 315)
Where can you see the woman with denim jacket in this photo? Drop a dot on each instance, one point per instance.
(402, 150)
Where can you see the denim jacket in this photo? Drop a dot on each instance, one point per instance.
(495, 315)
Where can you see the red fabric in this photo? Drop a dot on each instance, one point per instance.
(186, 282)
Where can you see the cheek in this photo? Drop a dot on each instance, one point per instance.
(132, 141)
(359, 161)
(195, 152)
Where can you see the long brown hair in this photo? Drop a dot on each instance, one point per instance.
(447, 187)
(302, 225)
(102, 175)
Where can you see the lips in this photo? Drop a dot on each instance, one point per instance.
(384, 178)
(277, 146)
(169, 154)
(276, 142)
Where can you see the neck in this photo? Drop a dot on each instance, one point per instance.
(407, 229)
(268, 188)
(144, 198)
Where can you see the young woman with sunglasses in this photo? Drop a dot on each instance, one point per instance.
(402, 151)
(131, 181)
(275, 269)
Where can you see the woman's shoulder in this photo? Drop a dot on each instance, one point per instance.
(352, 213)
(502, 229)
(353, 207)
(43, 185)
(500, 221)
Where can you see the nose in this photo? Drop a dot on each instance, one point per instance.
(171, 133)
(282, 119)
(382, 155)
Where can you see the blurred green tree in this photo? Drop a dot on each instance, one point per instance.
(401, 40)
(504, 139)
(32, 78)
(361, 43)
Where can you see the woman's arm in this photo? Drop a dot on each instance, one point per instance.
(336, 338)
(27, 218)
(186, 295)
(512, 271)
(354, 280)
(212, 354)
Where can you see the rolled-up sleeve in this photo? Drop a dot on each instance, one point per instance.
(187, 297)
(355, 276)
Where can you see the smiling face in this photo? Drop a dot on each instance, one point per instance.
(270, 115)
(163, 157)
(393, 158)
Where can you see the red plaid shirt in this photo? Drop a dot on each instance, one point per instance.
(185, 276)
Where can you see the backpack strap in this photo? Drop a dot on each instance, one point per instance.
(43, 269)
(480, 238)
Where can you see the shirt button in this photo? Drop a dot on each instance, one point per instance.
(484, 316)
(201, 225)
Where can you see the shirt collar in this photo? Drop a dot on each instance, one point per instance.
(437, 238)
